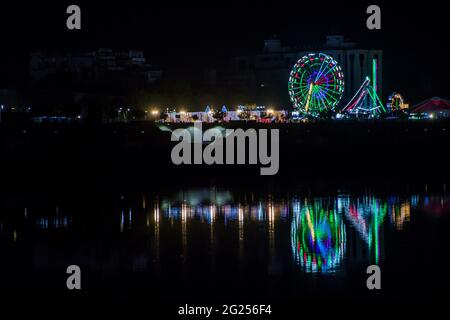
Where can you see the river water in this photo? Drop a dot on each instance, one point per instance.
(214, 243)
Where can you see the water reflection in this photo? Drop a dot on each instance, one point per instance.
(318, 227)
(309, 234)
(318, 236)
(434, 205)
(366, 215)
(399, 214)
(13, 224)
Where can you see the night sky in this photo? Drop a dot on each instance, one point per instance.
(177, 35)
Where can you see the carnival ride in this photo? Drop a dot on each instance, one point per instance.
(365, 102)
(396, 102)
(316, 86)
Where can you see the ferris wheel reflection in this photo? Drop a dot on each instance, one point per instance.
(325, 232)
(318, 236)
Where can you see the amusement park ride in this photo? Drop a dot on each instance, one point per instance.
(396, 102)
(316, 86)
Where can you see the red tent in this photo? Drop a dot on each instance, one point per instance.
(434, 104)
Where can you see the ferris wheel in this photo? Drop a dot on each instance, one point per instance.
(316, 84)
(396, 102)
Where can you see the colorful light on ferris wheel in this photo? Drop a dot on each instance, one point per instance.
(316, 84)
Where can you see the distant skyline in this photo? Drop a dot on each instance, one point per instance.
(414, 37)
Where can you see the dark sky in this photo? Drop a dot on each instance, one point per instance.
(414, 36)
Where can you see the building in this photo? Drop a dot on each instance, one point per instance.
(103, 66)
(269, 69)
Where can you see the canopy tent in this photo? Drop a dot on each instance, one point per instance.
(434, 104)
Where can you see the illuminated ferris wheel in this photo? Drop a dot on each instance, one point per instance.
(316, 84)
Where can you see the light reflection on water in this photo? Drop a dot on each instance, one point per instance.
(318, 235)
(321, 234)
(318, 226)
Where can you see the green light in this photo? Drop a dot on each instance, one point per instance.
(374, 74)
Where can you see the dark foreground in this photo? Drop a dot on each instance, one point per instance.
(382, 150)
